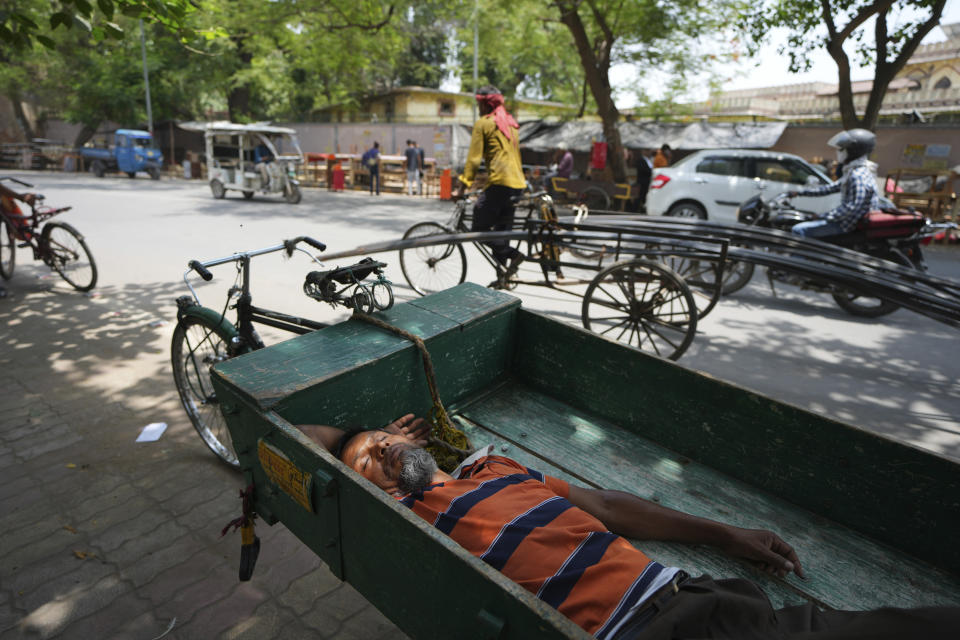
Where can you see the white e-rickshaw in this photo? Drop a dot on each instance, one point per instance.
(252, 158)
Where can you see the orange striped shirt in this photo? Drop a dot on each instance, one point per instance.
(520, 522)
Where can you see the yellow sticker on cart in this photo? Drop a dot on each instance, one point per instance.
(283, 473)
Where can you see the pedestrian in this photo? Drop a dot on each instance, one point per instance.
(423, 163)
(413, 166)
(371, 160)
(644, 174)
(495, 142)
(663, 157)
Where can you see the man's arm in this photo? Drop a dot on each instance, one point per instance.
(634, 517)
(822, 190)
(474, 154)
(415, 429)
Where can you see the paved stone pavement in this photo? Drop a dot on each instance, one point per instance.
(101, 537)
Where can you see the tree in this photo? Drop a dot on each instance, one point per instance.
(643, 33)
(898, 29)
(21, 21)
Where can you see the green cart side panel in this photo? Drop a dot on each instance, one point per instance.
(413, 574)
(368, 375)
(845, 570)
(903, 496)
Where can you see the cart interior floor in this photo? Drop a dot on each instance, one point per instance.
(845, 570)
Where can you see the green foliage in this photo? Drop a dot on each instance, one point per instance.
(807, 30)
(22, 23)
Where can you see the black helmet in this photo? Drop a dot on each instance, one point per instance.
(852, 144)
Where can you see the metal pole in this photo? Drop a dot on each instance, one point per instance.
(476, 51)
(146, 78)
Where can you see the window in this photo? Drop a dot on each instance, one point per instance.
(446, 108)
(943, 83)
(786, 170)
(721, 166)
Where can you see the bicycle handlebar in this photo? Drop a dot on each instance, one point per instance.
(290, 244)
(200, 269)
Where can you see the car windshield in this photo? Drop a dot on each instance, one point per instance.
(142, 142)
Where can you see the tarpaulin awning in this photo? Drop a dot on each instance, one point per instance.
(580, 136)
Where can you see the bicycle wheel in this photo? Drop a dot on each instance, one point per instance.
(65, 251)
(643, 304)
(434, 268)
(195, 348)
(382, 294)
(8, 250)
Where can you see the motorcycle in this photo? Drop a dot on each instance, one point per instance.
(889, 234)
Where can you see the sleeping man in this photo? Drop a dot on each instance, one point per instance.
(563, 543)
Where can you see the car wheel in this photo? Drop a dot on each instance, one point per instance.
(687, 210)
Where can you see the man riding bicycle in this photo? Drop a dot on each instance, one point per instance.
(495, 142)
(856, 180)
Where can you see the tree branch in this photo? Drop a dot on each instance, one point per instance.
(878, 7)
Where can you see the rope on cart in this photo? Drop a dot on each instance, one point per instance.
(448, 445)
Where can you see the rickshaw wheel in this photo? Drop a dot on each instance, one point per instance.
(435, 268)
(195, 348)
(644, 304)
(8, 250)
(218, 189)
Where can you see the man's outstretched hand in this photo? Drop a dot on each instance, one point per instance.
(765, 549)
(412, 428)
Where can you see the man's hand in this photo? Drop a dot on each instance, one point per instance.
(458, 190)
(413, 429)
(765, 549)
(29, 198)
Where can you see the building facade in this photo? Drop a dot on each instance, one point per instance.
(929, 84)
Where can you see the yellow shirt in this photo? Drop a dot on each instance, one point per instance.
(501, 156)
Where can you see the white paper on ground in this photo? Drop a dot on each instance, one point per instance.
(152, 432)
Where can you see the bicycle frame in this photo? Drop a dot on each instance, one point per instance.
(247, 313)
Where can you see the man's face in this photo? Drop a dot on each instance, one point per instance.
(389, 461)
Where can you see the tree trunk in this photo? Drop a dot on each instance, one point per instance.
(238, 99)
(21, 117)
(85, 133)
(596, 68)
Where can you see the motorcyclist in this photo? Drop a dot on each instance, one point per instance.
(856, 180)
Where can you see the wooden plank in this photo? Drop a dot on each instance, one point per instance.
(845, 569)
(901, 495)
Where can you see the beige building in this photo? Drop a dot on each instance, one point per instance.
(928, 84)
(420, 105)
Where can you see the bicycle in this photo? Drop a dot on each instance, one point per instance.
(431, 269)
(637, 301)
(203, 336)
(59, 245)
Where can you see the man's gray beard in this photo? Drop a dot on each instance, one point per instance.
(417, 467)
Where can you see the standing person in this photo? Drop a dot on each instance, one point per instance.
(412, 163)
(423, 163)
(644, 174)
(663, 157)
(7, 197)
(371, 160)
(495, 142)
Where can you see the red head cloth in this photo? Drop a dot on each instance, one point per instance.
(494, 102)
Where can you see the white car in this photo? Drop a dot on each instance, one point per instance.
(711, 184)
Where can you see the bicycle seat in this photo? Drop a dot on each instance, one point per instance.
(345, 275)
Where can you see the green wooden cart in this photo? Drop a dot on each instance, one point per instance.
(874, 521)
